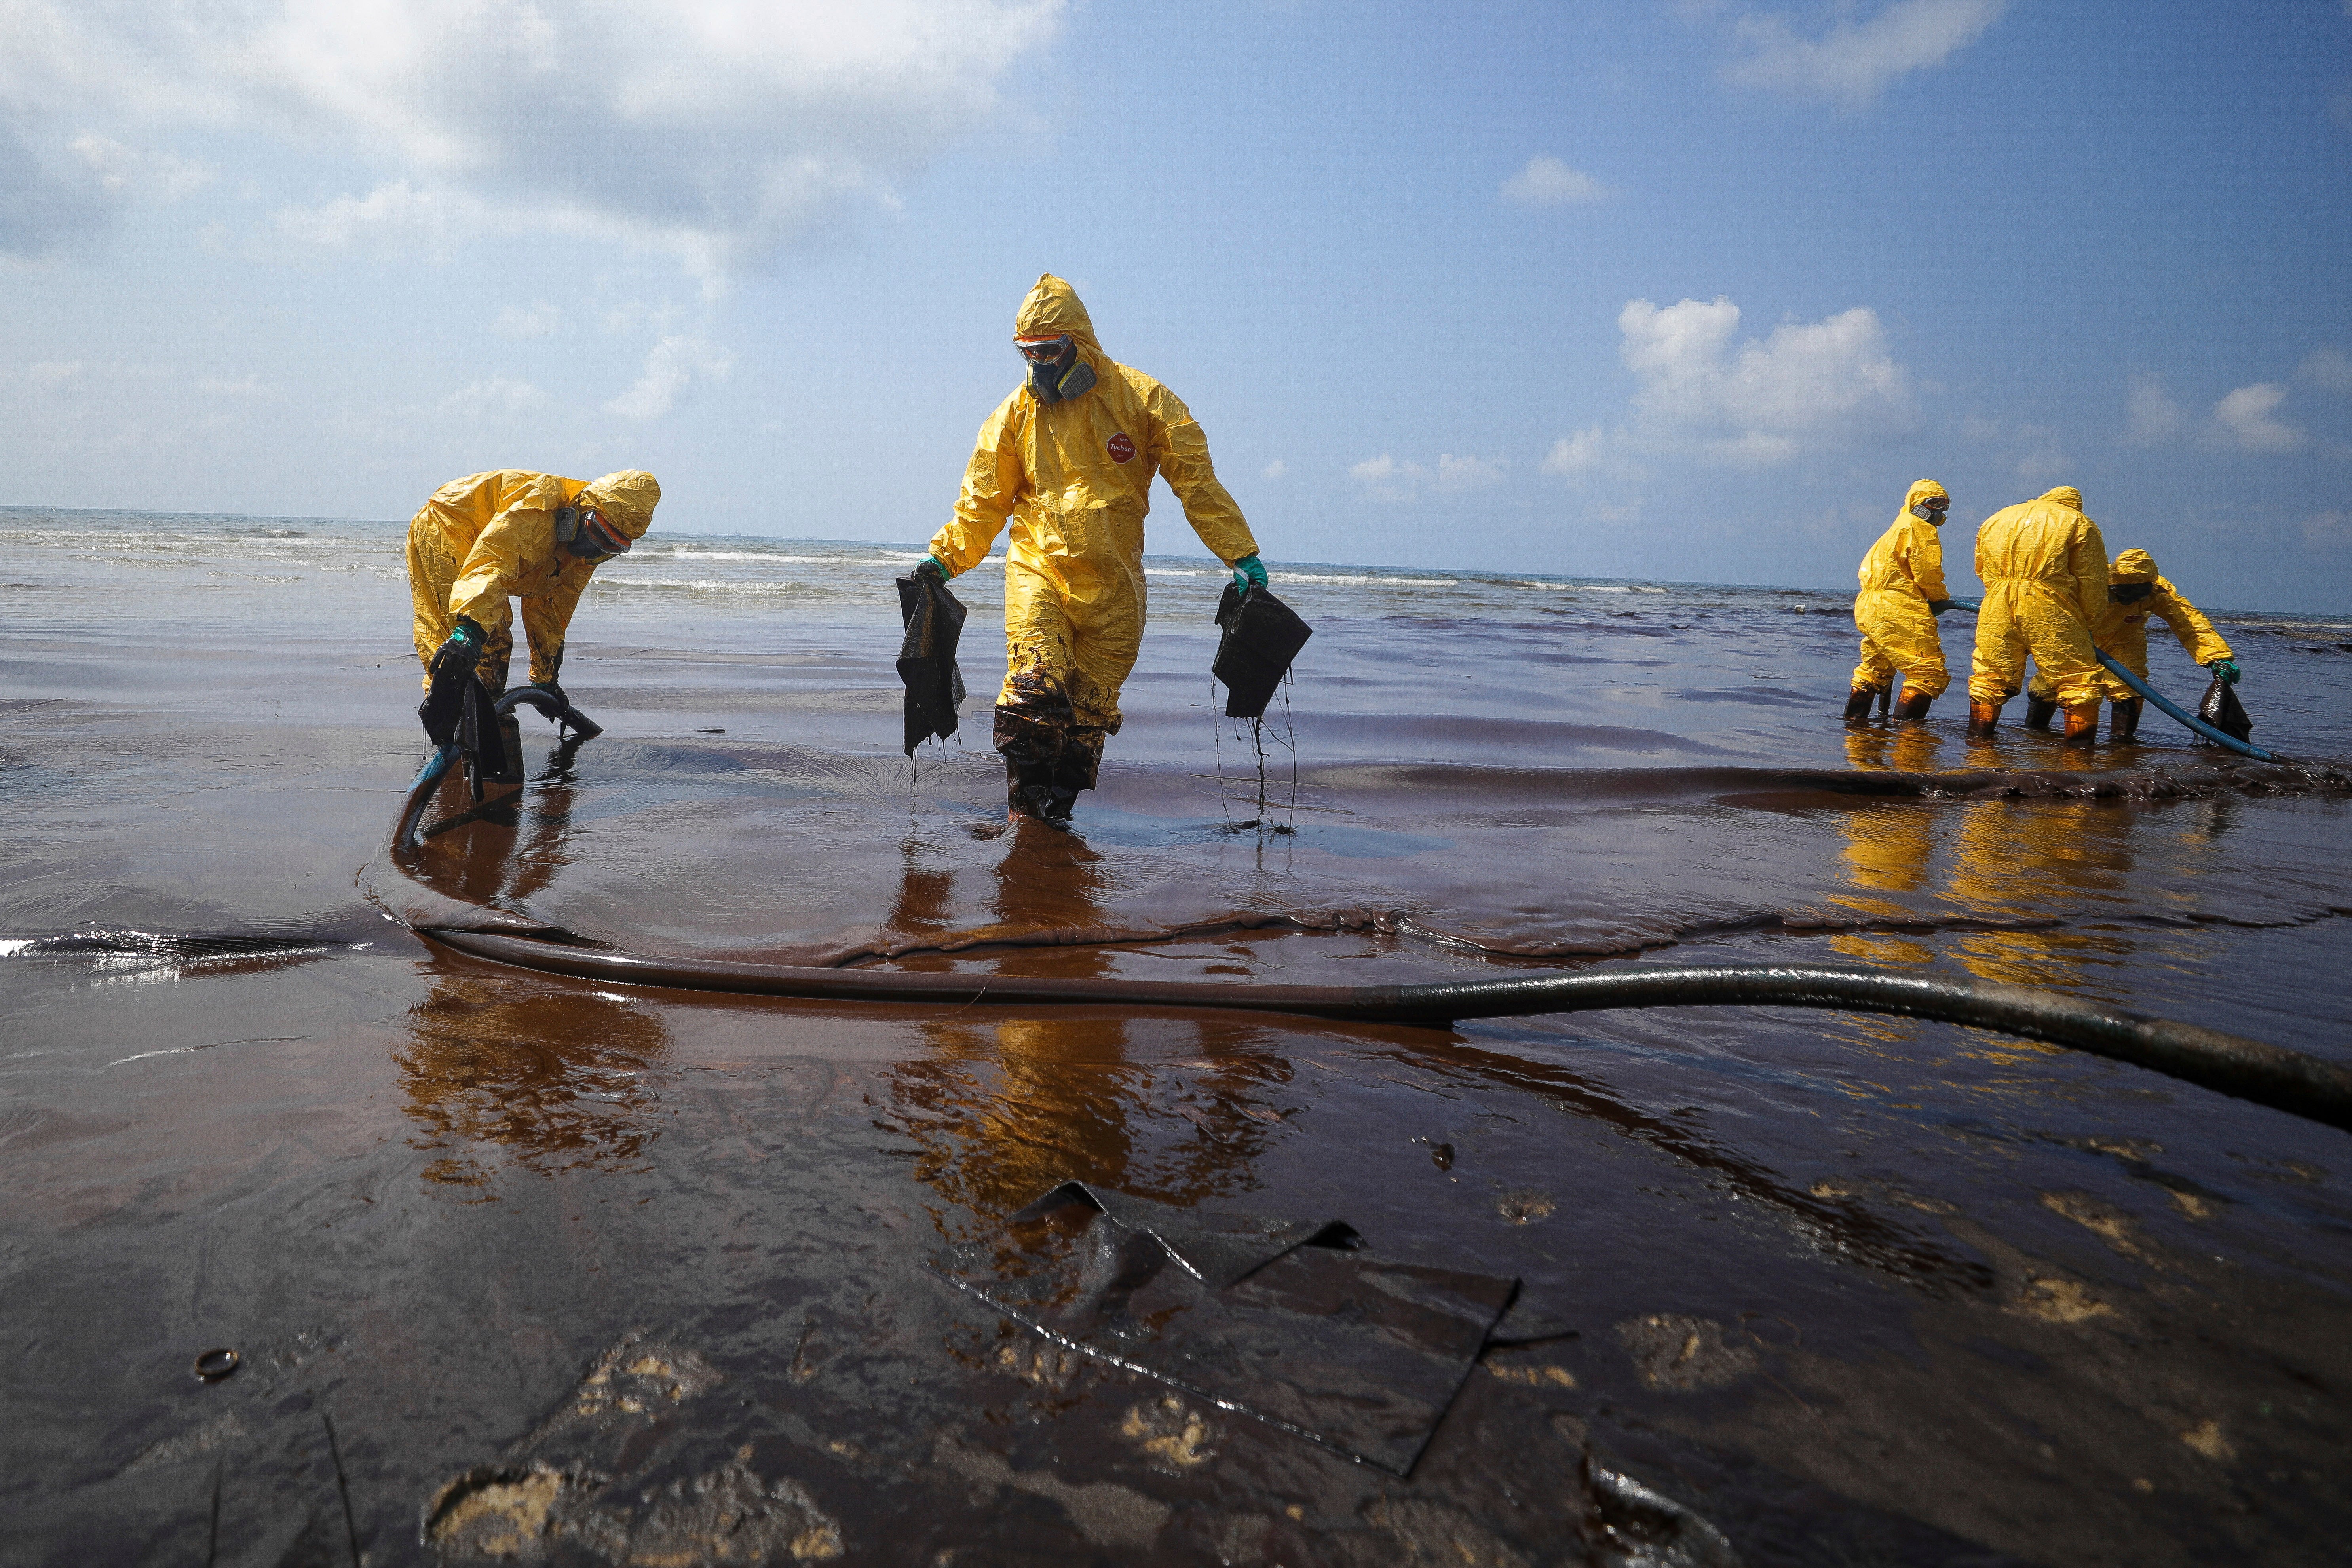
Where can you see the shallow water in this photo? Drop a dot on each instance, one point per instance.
(1846, 1289)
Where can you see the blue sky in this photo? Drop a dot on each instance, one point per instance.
(1688, 291)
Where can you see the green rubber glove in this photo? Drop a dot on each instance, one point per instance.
(2225, 670)
(936, 564)
(463, 649)
(1250, 573)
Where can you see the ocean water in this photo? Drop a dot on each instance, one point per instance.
(1831, 1284)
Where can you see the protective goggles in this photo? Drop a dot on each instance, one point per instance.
(601, 536)
(1042, 351)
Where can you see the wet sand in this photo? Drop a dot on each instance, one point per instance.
(525, 1267)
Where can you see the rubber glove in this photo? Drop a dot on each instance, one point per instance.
(938, 568)
(552, 689)
(1938, 607)
(1250, 573)
(2225, 670)
(463, 650)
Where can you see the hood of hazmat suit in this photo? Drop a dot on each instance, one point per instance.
(488, 538)
(1072, 480)
(2044, 568)
(1901, 575)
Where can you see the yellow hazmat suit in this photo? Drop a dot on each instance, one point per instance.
(1073, 477)
(489, 537)
(2122, 632)
(1901, 576)
(2044, 568)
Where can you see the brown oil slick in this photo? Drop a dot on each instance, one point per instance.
(526, 1269)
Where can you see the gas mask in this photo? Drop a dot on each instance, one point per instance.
(583, 532)
(1928, 511)
(2129, 593)
(1057, 374)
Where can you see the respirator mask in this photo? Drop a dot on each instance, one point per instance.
(1057, 374)
(583, 532)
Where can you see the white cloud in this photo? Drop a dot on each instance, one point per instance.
(497, 394)
(721, 132)
(1853, 62)
(671, 366)
(2043, 460)
(1577, 452)
(532, 321)
(242, 386)
(2246, 419)
(56, 377)
(2328, 529)
(2154, 417)
(1388, 478)
(2328, 366)
(1545, 182)
(1275, 470)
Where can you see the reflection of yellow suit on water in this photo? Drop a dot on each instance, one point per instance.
(1903, 575)
(1074, 479)
(2044, 568)
(2121, 632)
(488, 537)
(2032, 859)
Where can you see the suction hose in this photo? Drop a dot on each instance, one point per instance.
(2196, 724)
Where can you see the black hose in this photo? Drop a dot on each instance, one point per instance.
(550, 705)
(2247, 1069)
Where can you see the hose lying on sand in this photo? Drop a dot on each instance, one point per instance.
(2195, 725)
(2247, 1069)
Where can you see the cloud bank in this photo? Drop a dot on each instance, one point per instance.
(1853, 62)
(723, 132)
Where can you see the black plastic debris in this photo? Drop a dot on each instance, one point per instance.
(927, 658)
(1291, 1322)
(1262, 636)
(2221, 709)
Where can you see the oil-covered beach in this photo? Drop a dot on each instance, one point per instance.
(522, 1268)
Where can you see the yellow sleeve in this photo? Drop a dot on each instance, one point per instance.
(546, 615)
(993, 483)
(2188, 624)
(2086, 559)
(1176, 446)
(515, 539)
(1926, 555)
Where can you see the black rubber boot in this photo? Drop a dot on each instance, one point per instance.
(2122, 723)
(1858, 703)
(2038, 711)
(1914, 705)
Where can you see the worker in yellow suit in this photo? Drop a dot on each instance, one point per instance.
(488, 537)
(2134, 591)
(1902, 593)
(1068, 459)
(2044, 568)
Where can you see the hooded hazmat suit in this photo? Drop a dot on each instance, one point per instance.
(489, 537)
(1074, 480)
(2122, 632)
(1901, 576)
(2044, 568)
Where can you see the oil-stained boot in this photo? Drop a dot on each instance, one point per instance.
(2123, 721)
(2038, 711)
(2082, 723)
(1983, 717)
(1858, 703)
(1914, 705)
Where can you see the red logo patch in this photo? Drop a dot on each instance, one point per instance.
(1121, 450)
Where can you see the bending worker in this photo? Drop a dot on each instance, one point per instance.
(1901, 595)
(2134, 591)
(490, 537)
(1069, 458)
(2044, 569)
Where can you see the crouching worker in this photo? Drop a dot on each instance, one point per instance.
(1902, 593)
(488, 537)
(1068, 459)
(2044, 568)
(2134, 593)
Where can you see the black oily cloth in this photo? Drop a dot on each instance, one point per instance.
(1284, 1320)
(1262, 636)
(2221, 709)
(460, 709)
(927, 658)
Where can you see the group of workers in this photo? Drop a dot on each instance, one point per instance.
(1068, 461)
(2051, 594)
